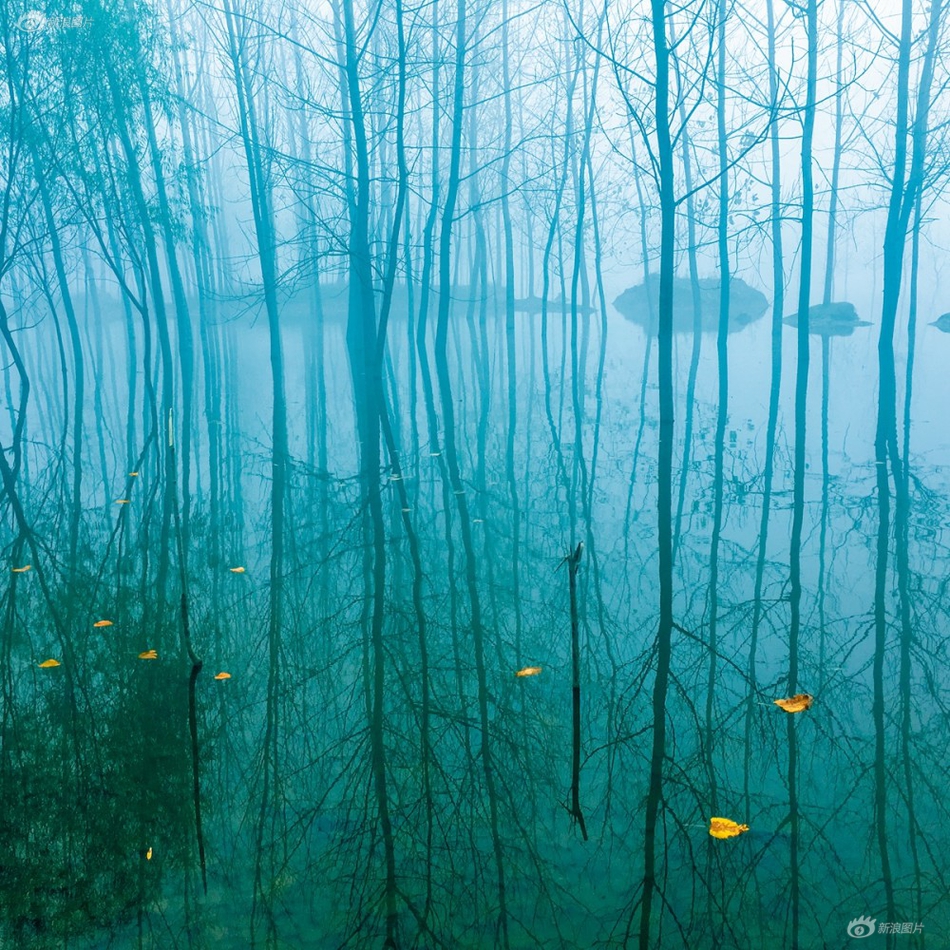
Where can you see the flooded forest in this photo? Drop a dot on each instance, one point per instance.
(474, 474)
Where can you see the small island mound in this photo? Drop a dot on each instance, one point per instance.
(830, 319)
(641, 304)
(942, 323)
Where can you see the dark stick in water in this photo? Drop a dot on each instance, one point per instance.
(573, 564)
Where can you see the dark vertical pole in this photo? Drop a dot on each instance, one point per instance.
(573, 565)
(196, 663)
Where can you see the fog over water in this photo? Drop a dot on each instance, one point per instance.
(474, 474)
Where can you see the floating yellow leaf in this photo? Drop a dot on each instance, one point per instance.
(222, 676)
(22, 570)
(103, 623)
(237, 570)
(122, 501)
(797, 703)
(148, 855)
(48, 664)
(148, 655)
(725, 828)
(529, 671)
(133, 474)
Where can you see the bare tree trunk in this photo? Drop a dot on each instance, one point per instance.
(452, 184)
(664, 636)
(261, 206)
(836, 158)
(722, 369)
(361, 328)
(778, 310)
(798, 492)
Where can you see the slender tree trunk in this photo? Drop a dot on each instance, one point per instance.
(836, 158)
(722, 415)
(664, 637)
(798, 491)
(778, 310)
(453, 181)
(361, 329)
(261, 206)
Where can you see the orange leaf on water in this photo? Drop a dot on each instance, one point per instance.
(49, 664)
(22, 570)
(222, 676)
(725, 828)
(238, 570)
(148, 655)
(529, 671)
(795, 704)
(103, 623)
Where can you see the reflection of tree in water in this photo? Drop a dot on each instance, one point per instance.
(82, 802)
(131, 786)
(394, 512)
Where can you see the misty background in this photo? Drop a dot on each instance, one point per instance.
(432, 436)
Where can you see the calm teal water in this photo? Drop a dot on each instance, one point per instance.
(373, 769)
